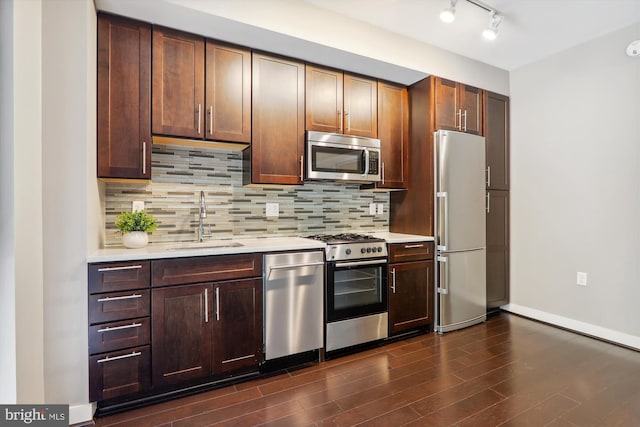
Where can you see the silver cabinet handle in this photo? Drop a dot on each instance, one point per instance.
(393, 281)
(465, 120)
(459, 123)
(210, 119)
(488, 202)
(382, 170)
(144, 157)
(443, 219)
(117, 328)
(217, 303)
(340, 115)
(107, 299)
(488, 176)
(206, 306)
(443, 287)
(413, 246)
(124, 356)
(199, 117)
(125, 267)
(301, 168)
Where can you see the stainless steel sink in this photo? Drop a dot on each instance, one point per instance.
(205, 245)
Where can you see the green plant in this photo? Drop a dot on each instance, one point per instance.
(136, 221)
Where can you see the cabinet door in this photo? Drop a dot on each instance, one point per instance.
(393, 131)
(323, 100)
(237, 330)
(278, 120)
(471, 104)
(410, 295)
(498, 249)
(360, 106)
(496, 132)
(181, 334)
(124, 98)
(446, 104)
(228, 93)
(178, 84)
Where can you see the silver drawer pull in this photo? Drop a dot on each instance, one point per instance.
(413, 246)
(117, 328)
(124, 356)
(126, 267)
(119, 298)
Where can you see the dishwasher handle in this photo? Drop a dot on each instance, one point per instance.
(292, 266)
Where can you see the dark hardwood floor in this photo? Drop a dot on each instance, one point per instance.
(509, 371)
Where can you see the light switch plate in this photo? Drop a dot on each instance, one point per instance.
(372, 208)
(137, 205)
(380, 208)
(272, 209)
(581, 278)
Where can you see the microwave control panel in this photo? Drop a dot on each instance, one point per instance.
(374, 161)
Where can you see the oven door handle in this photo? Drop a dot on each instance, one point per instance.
(358, 263)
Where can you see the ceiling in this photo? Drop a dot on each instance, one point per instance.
(531, 30)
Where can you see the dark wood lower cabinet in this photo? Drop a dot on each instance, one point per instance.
(498, 249)
(410, 295)
(237, 329)
(181, 334)
(119, 373)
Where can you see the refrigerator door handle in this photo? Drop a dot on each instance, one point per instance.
(443, 219)
(443, 273)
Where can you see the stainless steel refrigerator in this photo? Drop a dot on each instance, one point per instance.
(460, 230)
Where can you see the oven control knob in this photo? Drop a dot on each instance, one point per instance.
(363, 250)
(379, 248)
(368, 250)
(348, 251)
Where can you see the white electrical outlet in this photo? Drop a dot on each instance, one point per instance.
(372, 208)
(272, 209)
(380, 209)
(137, 205)
(581, 278)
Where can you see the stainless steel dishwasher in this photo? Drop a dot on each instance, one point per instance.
(293, 303)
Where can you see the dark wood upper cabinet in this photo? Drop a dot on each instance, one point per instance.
(237, 327)
(393, 132)
(497, 249)
(178, 107)
(181, 335)
(124, 97)
(458, 106)
(360, 106)
(496, 132)
(228, 93)
(324, 99)
(277, 149)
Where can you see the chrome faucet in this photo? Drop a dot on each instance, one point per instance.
(202, 216)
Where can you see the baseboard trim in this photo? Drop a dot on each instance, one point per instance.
(80, 414)
(616, 337)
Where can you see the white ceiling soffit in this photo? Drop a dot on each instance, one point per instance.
(531, 30)
(202, 18)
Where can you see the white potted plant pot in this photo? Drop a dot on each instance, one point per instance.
(135, 239)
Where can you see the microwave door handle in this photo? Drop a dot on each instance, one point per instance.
(366, 162)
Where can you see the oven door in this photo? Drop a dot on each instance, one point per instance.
(342, 162)
(356, 288)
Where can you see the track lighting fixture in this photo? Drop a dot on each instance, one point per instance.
(491, 32)
(448, 15)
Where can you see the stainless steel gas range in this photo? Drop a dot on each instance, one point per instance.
(356, 291)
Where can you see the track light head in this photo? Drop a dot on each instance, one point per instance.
(491, 32)
(448, 15)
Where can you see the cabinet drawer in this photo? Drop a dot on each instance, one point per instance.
(118, 276)
(119, 373)
(178, 271)
(118, 306)
(118, 335)
(401, 252)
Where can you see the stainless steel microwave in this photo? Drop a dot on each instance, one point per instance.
(337, 157)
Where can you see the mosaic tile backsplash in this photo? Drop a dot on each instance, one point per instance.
(179, 174)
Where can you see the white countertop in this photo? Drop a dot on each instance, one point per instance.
(227, 247)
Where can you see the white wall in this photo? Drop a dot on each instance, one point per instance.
(575, 193)
(8, 391)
